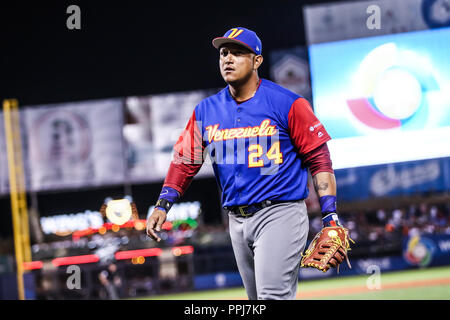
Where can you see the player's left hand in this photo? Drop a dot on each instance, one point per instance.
(328, 249)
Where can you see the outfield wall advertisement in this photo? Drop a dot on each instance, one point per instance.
(395, 179)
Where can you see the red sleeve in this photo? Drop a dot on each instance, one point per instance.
(306, 131)
(188, 157)
(318, 160)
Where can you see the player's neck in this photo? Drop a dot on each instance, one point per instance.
(244, 91)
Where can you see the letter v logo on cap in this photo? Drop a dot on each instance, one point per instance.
(235, 33)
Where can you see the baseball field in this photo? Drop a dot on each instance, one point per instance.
(418, 284)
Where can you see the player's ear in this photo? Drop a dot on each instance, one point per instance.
(257, 61)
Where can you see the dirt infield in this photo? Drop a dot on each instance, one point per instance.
(365, 289)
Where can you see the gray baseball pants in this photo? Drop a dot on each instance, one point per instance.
(267, 247)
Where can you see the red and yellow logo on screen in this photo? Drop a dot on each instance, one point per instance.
(389, 90)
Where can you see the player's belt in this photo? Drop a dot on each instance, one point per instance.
(249, 210)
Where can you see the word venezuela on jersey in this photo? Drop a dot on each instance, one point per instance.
(263, 130)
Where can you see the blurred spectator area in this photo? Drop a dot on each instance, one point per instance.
(378, 225)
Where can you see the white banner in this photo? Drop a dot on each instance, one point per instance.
(75, 145)
(360, 19)
(155, 124)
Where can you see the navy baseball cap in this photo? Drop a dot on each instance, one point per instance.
(241, 36)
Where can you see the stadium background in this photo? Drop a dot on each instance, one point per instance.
(126, 53)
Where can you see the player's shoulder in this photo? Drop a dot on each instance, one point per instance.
(217, 97)
(280, 98)
(213, 98)
(277, 91)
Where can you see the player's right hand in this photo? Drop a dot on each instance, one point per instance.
(154, 223)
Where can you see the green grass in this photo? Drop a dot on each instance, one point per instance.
(388, 281)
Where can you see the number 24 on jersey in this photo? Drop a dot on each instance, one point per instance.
(256, 152)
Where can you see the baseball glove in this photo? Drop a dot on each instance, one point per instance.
(328, 249)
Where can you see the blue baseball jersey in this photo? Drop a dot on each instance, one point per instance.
(255, 146)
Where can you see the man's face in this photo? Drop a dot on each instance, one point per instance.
(236, 63)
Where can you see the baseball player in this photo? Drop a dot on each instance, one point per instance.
(261, 139)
